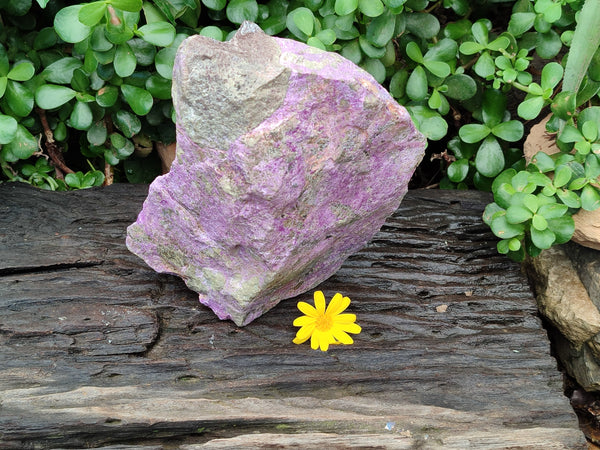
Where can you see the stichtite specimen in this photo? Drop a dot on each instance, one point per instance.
(289, 159)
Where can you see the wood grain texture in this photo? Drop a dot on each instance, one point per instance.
(97, 350)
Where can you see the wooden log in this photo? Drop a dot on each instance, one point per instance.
(96, 349)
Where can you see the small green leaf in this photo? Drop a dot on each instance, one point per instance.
(416, 87)
(240, 10)
(375, 68)
(423, 25)
(543, 162)
(460, 87)
(92, 13)
(381, 29)
(371, 8)
(160, 34)
(542, 238)
(480, 32)
(520, 22)
(552, 74)
(505, 230)
(81, 116)
(493, 107)
(22, 71)
(473, 132)
(124, 62)
(61, 71)
(458, 170)
(140, 100)
(502, 246)
(68, 26)
(489, 160)
(74, 180)
(3, 84)
(548, 45)
(343, 7)
(563, 228)
(414, 52)
(117, 29)
(514, 244)
(216, 5)
(553, 210)
(470, 48)
(8, 129)
(562, 175)
(49, 96)
(491, 211)
(589, 130)
(303, 19)
(590, 198)
(121, 146)
(22, 146)
(327, 37)
(564, 105)
(97, 133)
(370, 50)
(429, 122)
(530, 108)
(159, 87)
(539, 223)
(164, 61)
(485, 66)
(213, 32)
(127, 123)
(439, 68)
(127, 5)
(316, 42)
(107, 96)
(352, 52)
(499, 43)
(19, 98)
(518, 214)
(510, 131)
(578, 183)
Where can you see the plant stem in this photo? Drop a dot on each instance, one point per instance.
(51, 147)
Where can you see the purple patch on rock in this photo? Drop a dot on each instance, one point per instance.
(289, 159)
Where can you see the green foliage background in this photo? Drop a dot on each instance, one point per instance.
(91, 83)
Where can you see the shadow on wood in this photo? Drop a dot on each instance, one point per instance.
(97, 349)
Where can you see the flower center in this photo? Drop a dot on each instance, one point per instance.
(323, 323)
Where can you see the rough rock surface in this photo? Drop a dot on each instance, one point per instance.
(289, 159)
(567, 283)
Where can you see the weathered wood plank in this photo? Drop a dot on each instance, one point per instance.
(97, 349)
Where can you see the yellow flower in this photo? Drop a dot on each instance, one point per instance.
(325, 326)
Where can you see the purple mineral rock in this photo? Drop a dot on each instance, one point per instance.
(289, 159)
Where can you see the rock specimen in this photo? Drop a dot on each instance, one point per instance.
(289, 159)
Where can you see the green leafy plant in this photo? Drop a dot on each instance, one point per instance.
(533, 211)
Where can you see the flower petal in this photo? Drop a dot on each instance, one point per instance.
(324, 345)
(350, 328)
(338, 304)
(319, 302)
(303, 320)
(307, 309)
(345, 318)
(341, 336)
(303, 334)
(300, 341)
(314, 340)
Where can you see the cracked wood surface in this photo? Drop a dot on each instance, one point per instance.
(98, 350)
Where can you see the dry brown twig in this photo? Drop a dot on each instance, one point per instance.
(51, 148)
